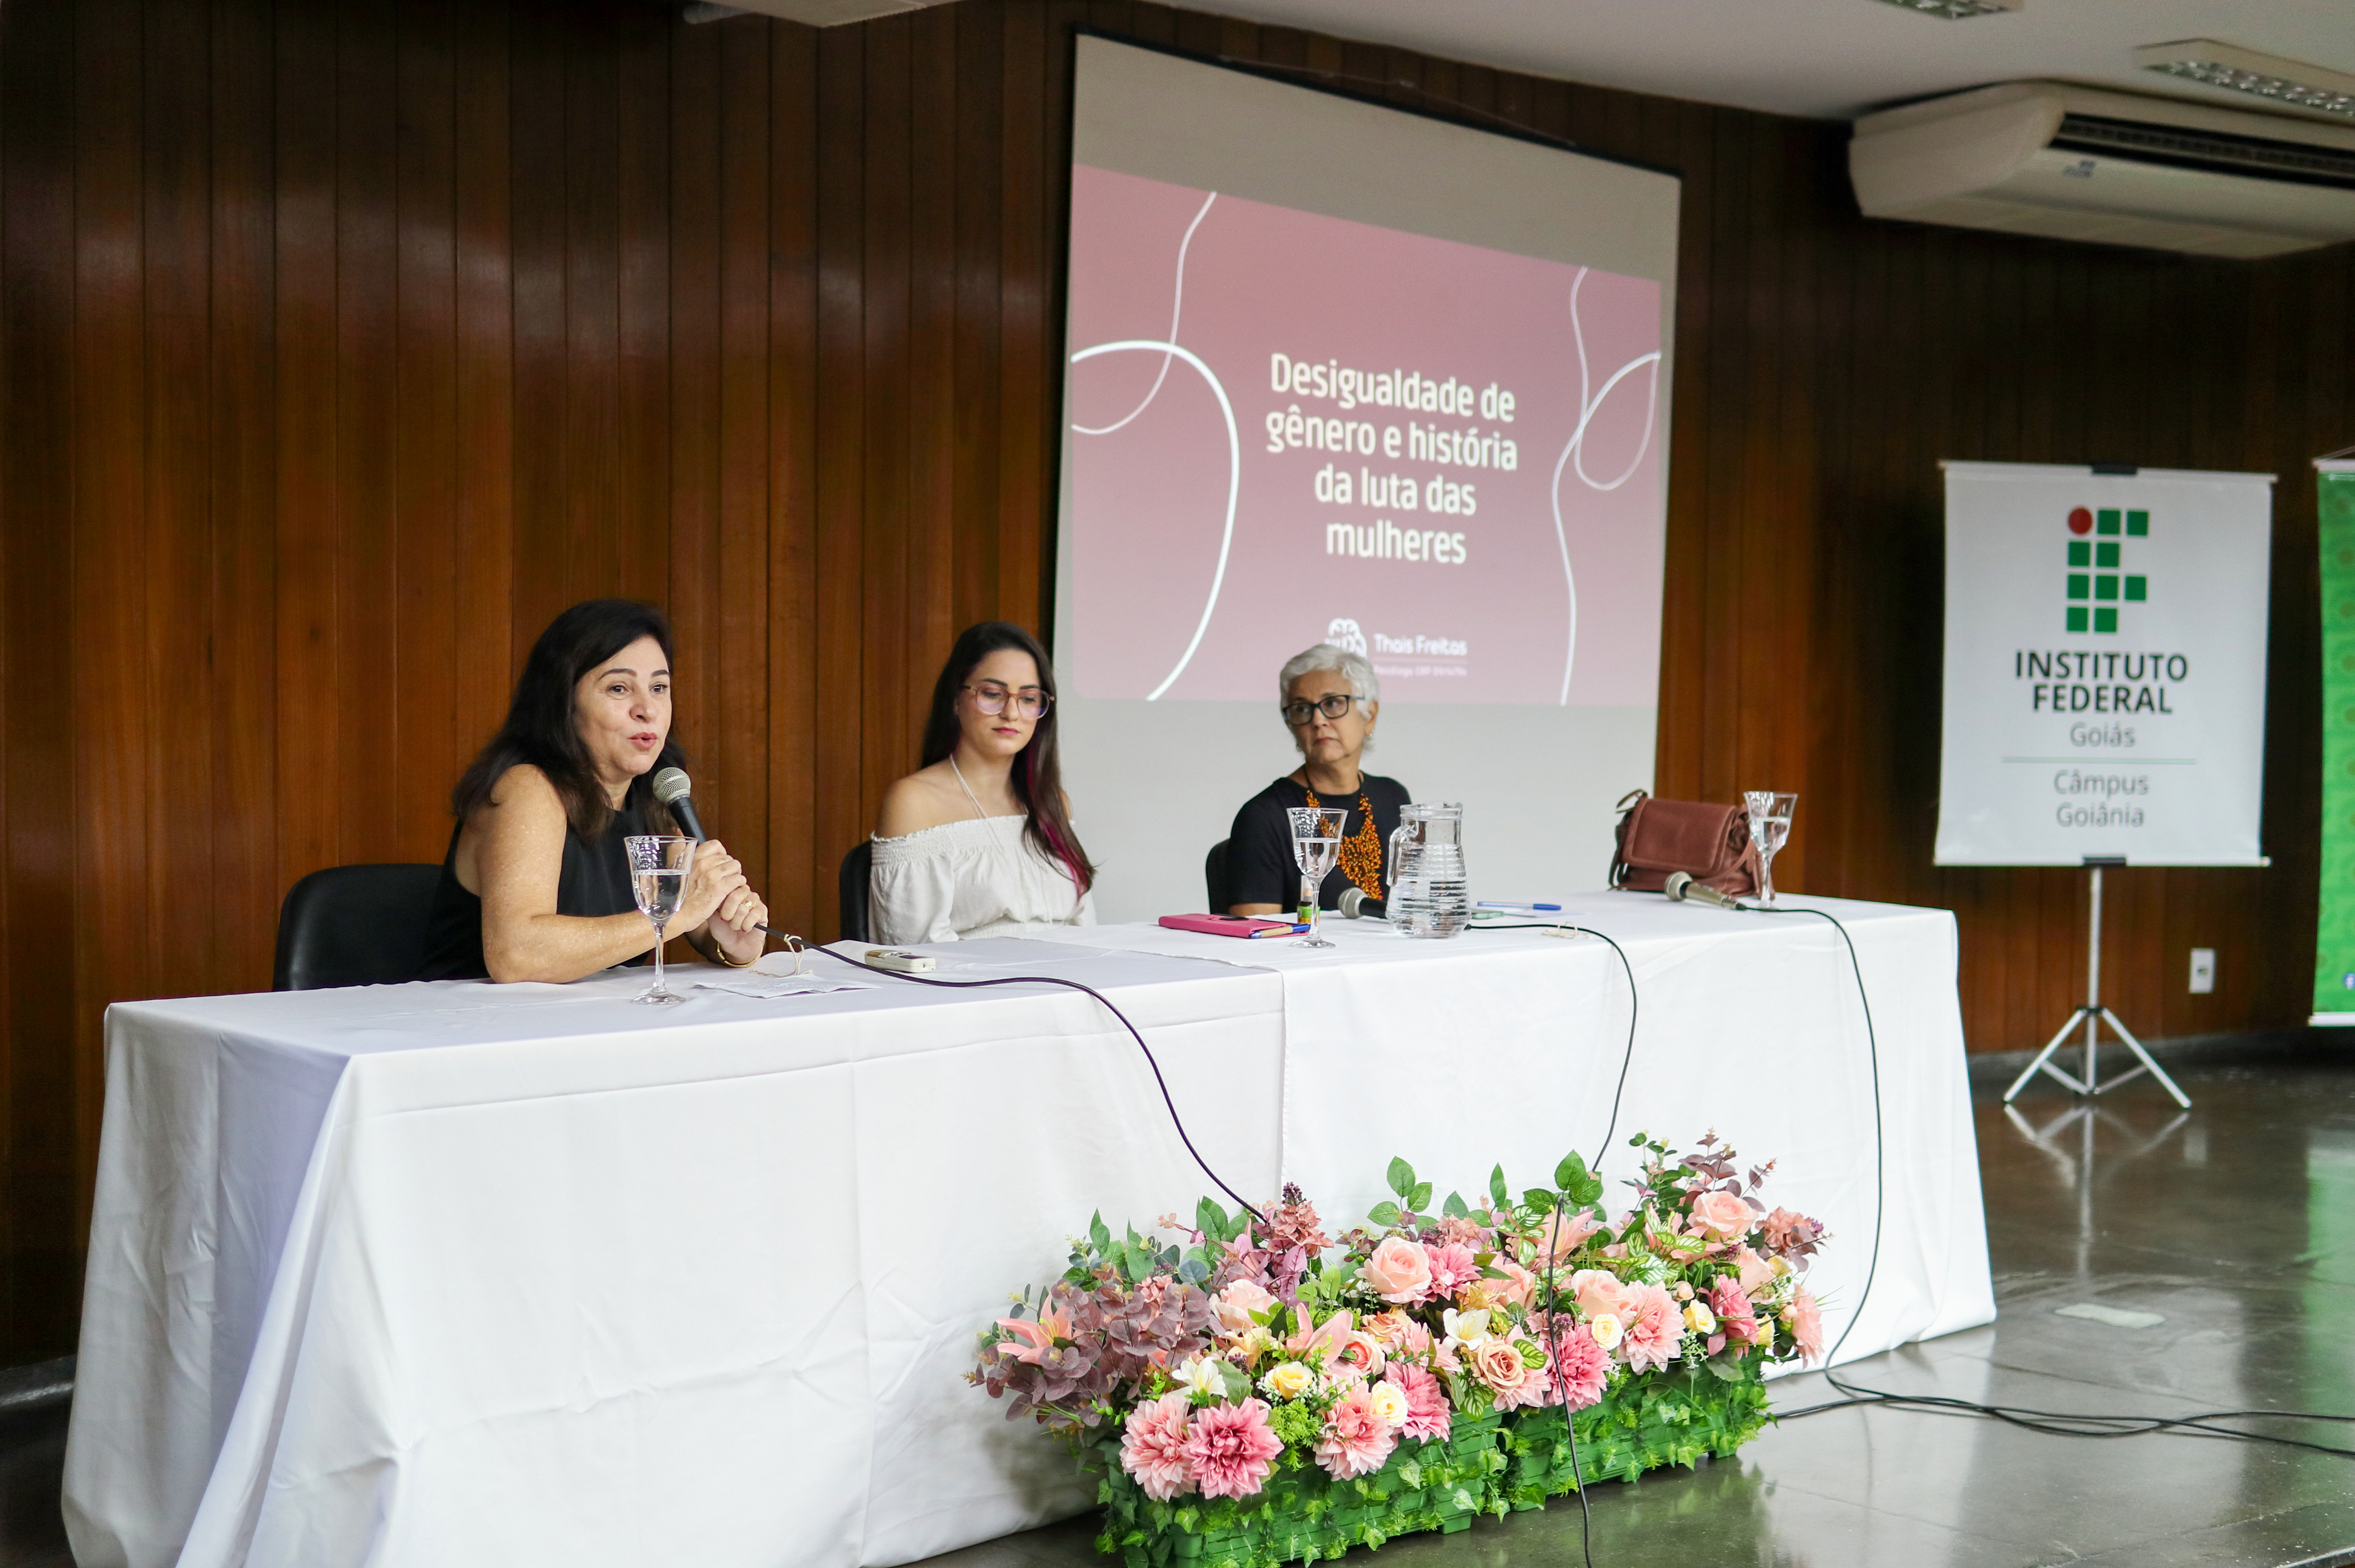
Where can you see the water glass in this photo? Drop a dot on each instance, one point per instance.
(658, 868)
(1770, 826)
(1317, 850)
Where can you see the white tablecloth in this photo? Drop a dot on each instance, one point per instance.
(457, 1273)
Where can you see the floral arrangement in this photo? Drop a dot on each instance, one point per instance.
(1257, 1390)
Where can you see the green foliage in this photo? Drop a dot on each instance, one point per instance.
(1385, 1215)
(1576, 1183)
(1401, 1178)
(1498, 1191)
(1456, 1207)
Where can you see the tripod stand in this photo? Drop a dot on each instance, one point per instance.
(2093, 1015)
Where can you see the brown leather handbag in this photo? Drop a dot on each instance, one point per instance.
(1709, 843)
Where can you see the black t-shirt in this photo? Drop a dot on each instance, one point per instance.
(1260, 867)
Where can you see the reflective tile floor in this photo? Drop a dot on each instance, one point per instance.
(2234, 1224)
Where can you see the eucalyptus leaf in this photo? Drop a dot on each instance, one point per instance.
(1193, 1271)
(1401, 1178)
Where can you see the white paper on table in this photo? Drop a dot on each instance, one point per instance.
(782, 985)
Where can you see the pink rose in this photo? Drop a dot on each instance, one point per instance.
(1388, 1329)
(1398, 1271)
(1600, 1290)
(1497, 1363)
(1515, 1287)
(1722, 1216)
(1236, 1304)
(1755, 1271)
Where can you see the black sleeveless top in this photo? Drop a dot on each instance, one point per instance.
(595, 881)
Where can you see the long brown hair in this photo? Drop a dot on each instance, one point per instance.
(540, 728)
(1038, 773)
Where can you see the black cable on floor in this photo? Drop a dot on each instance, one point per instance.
(1163, 1084)
(2070, 1424)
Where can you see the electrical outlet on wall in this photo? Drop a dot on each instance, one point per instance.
(2203, 970)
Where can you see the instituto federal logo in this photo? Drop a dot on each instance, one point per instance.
(2097, 580)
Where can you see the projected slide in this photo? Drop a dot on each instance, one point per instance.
(1287, 427)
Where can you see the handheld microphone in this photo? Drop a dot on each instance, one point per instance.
(1357, 904)
(673, 789)
(1682, 887)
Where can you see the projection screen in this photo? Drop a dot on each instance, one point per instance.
(1339, 373)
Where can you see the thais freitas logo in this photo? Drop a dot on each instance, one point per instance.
(2097, 580)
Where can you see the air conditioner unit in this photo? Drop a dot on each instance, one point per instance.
(2114, 168)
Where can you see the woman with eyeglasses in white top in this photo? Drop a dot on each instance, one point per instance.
(978, 841)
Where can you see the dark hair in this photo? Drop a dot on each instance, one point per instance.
(1039, 776)
(540, 728)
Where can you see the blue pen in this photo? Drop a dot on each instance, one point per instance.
(1519, 908)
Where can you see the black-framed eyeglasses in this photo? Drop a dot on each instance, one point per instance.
(1332, 705)
(1029, 702)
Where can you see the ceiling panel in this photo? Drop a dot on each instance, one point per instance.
(1825, 58)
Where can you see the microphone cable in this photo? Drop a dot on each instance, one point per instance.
(2052, 1422)
(795, 944)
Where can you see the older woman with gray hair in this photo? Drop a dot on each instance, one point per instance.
(1330, 700)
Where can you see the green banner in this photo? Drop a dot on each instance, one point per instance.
(2334, 942)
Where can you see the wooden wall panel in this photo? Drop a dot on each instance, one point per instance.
(344, 342)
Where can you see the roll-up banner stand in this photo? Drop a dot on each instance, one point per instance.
(2105, 666)
(2334, 937)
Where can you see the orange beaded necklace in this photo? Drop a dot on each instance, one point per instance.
(1361, 851)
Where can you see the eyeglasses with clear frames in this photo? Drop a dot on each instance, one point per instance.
(991, 699)
(1332, 705)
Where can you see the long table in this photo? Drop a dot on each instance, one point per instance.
(455, 1273)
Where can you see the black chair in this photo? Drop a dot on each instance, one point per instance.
(851, 885)
(1214, 876)
(354, 925)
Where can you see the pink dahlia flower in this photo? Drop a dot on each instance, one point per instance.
(1427, 1414)
(1653, 1329)
(1451, 1269)
(1583, 1367)
(1233, 1448)
(1154, 1449)
(1808, 1325)
(1357, 1440)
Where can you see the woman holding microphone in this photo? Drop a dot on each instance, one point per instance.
(535, 884)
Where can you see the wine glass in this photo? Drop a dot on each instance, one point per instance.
(1770, 825)
(1315, 849)
(658, 867)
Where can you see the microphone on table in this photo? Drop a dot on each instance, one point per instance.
(1682, 887)
(1357, 904)
(673, 789)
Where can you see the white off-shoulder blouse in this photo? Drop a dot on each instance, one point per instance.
(972, 878)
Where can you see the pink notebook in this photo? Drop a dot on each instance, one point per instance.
(1232, 926)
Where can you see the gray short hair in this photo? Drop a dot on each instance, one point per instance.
(1363, 683)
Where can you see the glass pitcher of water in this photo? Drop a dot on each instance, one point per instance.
(1427, 892)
